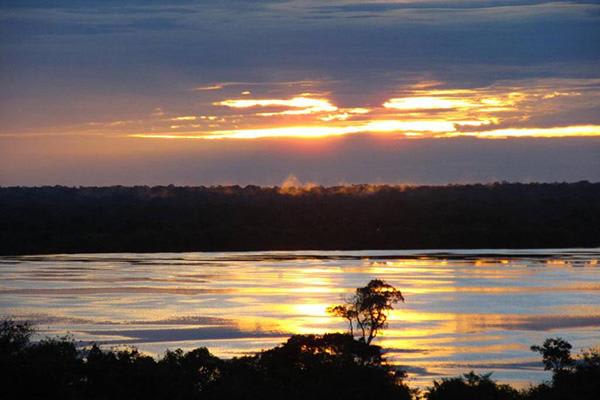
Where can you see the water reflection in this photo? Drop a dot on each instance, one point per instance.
(464, 310)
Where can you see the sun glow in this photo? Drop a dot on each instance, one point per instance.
(563, 131)
(432, 129)
(419, 111)
(408, 128)
(283, 132)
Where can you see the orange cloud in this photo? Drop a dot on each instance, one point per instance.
(555, 132)
(427, 110)
(300, 105)
(427, 103)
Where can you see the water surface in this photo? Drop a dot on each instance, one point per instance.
(465, 310)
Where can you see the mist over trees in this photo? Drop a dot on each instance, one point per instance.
(168, 218)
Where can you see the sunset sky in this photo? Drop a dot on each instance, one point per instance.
(95, 92)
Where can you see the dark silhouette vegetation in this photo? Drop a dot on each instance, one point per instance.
(472, 387)
(367, 310)
(572, 378)
(330, 366)
(168, 218)
(556, 354)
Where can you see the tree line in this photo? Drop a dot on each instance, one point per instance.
(35, 220)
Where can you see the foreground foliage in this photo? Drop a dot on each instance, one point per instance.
(330, 366)
(471, 387)
(311, 366)
(572, 378)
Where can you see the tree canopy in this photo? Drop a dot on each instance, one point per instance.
(320, 367)
(170, 218)
(367, 310)
(556, 354)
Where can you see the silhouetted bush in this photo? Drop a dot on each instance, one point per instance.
(14, 338)
(471, 387)
(305, 367)
(330, 366)
(572, 378)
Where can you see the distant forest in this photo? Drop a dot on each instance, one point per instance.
(169, 218)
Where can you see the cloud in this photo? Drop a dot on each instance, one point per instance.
(91, 69)
(414, 129)
(96, 4)
(427, 103)
(383, 6)
(554, 132)
(300, 105)
(420, 110)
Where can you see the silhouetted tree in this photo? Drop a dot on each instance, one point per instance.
(573, 379)
(330, 366)
(14, 336)
(367, 310)
(556, 354)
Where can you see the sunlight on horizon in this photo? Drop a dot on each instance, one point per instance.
(424, 110)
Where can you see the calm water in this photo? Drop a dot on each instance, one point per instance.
(464, 310)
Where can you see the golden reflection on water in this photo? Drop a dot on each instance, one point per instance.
(463, 311)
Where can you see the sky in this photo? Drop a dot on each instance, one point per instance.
(104, 92)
